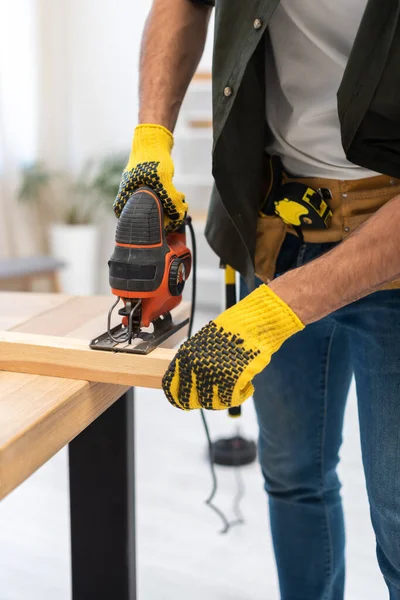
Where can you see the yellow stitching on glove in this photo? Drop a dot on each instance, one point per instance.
(214, 369)
(150, 164)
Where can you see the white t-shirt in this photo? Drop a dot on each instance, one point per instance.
(311, 43)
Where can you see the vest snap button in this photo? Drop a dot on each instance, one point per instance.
(257, 24)
(228, 91)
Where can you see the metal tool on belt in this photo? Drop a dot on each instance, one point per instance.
(296, 203)
(147, 272)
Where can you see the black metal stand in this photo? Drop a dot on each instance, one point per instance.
(101, 461)
(235, 451)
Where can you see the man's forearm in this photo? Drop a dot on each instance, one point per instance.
(369, 258)
(172, 46)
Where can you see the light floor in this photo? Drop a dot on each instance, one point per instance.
(181, 555)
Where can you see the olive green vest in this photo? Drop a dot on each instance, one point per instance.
(368, 104)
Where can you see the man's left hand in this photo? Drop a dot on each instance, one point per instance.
(214, 369)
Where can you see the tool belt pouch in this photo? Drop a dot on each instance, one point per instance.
(271, 231)
(286, 204)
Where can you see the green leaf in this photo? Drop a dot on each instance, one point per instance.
(34, 180)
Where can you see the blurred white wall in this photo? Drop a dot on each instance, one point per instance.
(89, 55)
(89, 59)
(68, 93)
(18, 82)
(18, 112)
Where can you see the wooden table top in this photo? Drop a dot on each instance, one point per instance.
(41, 414)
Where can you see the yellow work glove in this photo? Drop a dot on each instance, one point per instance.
(214, 368)
(150, 164)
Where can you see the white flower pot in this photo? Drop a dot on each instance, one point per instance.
(76, 246)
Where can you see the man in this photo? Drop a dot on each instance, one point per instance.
(277, 70)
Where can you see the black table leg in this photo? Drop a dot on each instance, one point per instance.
(102, 493)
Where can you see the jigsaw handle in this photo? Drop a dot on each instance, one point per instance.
(141, 220)
(146, 264)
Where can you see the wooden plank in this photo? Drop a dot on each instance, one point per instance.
(40, 415)
(17, 308)
(200, 123)
(73, 359)
(75, 315)
(84, 317)
(51, 355)
(202, 76)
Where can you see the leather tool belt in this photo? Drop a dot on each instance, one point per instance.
(315, 209)
(297, 204)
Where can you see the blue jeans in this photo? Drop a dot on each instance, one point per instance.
(300, 400)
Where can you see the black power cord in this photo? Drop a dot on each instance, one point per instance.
(227, 525)
(189, 223)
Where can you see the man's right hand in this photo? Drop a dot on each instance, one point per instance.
(150, 164)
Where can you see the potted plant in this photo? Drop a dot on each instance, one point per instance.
(74, 207)
(101, 178)
(34, 193)
(74, 240)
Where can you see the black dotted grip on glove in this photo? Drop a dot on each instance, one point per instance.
(216, 358)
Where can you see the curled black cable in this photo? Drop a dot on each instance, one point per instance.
(209, 501)
(240, 487)
(239, 492)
